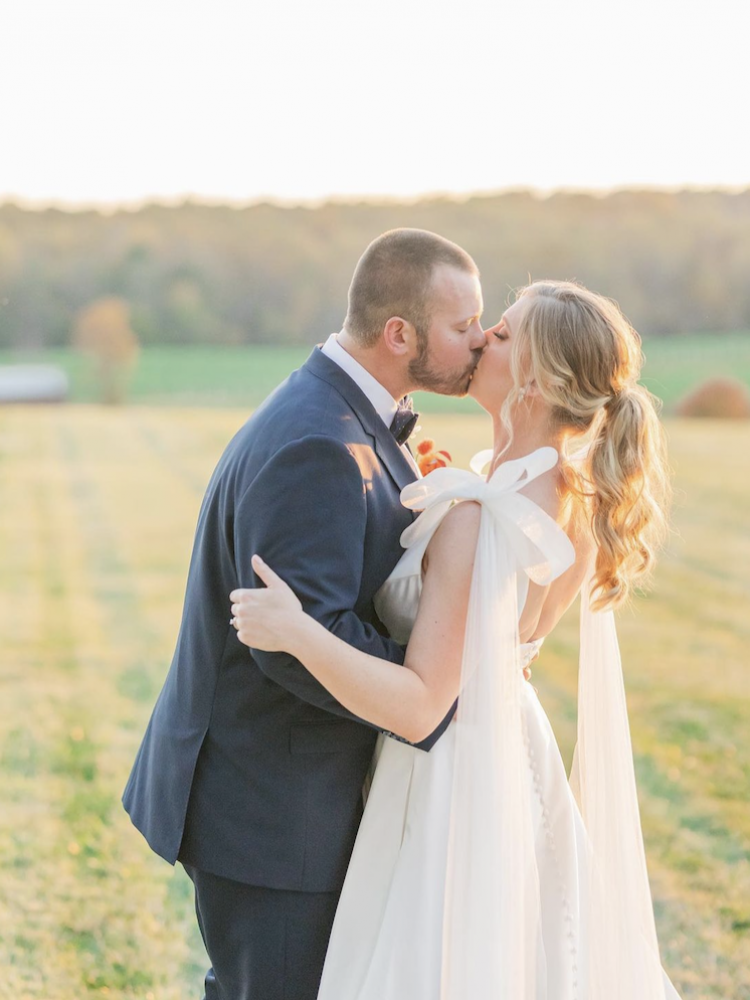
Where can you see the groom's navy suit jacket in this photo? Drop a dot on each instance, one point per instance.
(249, 768)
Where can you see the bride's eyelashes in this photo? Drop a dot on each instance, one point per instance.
(499, 331)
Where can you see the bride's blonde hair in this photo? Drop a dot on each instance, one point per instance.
(585, 359)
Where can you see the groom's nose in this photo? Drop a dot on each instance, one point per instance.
(479, 339)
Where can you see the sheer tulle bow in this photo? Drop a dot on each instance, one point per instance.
(538, 544)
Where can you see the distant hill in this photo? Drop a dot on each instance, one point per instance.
(266, 274)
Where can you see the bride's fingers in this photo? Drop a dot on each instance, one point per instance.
(253, 605)
(242, 595)
(252, 598)
(257, 609)
(239, 594)
(267, 575)
(252, 601)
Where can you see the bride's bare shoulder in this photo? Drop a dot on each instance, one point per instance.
(456, 535)
(548, 492)
(551, 493)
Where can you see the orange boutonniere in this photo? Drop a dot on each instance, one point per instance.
(428, 459)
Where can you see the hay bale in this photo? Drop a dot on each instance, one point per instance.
(724, 398)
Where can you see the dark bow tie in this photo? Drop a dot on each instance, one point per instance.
(405, 420)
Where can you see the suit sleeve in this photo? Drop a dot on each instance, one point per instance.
(305, 513)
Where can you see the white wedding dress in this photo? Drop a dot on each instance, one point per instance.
(401, 931)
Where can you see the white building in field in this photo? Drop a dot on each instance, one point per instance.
(33, 384)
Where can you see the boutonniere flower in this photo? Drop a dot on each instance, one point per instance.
(429, 459)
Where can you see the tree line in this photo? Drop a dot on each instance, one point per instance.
(267, 274)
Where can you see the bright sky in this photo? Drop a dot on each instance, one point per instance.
(120, 100)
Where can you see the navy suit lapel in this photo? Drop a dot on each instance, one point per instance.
(386, 446)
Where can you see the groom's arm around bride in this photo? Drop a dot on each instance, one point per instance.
(309, 506)
(249, 768)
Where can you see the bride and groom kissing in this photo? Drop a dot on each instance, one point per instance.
(350, 763)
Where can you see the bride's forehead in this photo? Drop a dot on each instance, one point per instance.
(513, 313)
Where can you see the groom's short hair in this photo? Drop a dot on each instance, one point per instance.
(394, 278)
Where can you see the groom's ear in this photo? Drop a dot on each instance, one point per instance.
(400, 337)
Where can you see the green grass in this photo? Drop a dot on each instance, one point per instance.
(243, 376)
(676, 364)
(96, 527)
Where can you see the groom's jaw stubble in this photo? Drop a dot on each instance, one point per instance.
(426, 377)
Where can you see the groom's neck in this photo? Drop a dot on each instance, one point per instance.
(380, 363)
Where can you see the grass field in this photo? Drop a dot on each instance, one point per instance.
(243, 376)
(96, 525)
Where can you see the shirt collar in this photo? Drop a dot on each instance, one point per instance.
(384, 403)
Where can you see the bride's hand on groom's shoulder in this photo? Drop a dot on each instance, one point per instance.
(263, 615)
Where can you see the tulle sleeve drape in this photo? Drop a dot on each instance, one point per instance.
(623, 958)
(492, 945)
(492, 893)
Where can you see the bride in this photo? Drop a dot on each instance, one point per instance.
(481, 871)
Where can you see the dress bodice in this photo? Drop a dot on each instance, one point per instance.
(543, 549)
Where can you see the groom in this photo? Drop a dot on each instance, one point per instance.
(250, 773)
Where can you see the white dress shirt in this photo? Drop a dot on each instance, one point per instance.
(384, 403)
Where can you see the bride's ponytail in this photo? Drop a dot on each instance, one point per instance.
(629, 492)
(585, 360)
